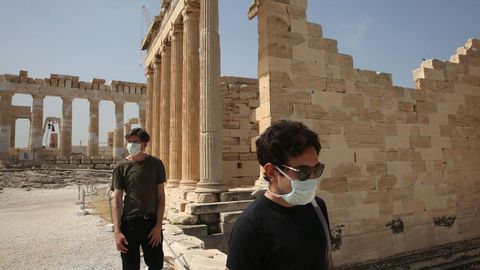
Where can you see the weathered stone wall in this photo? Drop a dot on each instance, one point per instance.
(402, 165)
(239, 101)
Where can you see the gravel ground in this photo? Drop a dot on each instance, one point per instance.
(41, 229)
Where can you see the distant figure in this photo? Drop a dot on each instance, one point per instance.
(287, 226)
(137, 218)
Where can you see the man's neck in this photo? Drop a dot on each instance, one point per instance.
(141, 156)
(276, 199)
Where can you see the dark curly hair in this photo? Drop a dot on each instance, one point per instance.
(285, 139)
(140, 132)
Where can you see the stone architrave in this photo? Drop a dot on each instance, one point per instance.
(5, 125)
(118, 146)
(149, 74)
(191, 91)
(92, 149)
(210, 101)
(165, 105)
(36, 129)
(66, 128)
(157, 75)
(175, 166)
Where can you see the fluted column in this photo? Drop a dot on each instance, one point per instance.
(5, 124)
(13, 132)
(175, 171)
(118, 146)
(142, 114)
(191, 91)
(92, 149)
(210, 101)
(36, 134)
(157, 75)
(149, 117)
(66, 128)
(165, 105)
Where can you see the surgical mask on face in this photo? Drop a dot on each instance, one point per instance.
(134, 149)
(303, 192)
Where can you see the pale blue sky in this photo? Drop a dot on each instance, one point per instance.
(101, 39)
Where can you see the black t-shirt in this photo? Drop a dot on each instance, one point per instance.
(139, 180)
(269, 236)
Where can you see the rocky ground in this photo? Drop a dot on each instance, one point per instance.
(51, 178)
(42, 226)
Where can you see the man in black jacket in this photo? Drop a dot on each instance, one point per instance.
(287, 227)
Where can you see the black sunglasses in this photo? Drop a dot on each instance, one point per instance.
(304, 172)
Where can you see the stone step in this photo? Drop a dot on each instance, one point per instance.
(217, 207)
(194, 230)
(176, 217)
(236, 195)
(229, 217)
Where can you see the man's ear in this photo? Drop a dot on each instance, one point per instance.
(270, 172)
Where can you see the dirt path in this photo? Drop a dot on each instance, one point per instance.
(40, 229)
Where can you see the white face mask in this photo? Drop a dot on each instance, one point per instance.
(303, 192)
(134, 149)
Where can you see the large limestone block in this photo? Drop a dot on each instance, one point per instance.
(364, 211)
(177, 217)
(229, 217)
(210, 208)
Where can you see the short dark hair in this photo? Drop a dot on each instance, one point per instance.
(285, 139)
(140, 132)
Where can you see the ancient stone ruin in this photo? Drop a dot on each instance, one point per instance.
(402, 181)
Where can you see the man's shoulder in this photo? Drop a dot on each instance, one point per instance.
(121, 163)
(154, 159)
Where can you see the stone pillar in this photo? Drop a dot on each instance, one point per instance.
(118, 146)
(165, 105)
(36, 126)
(92, 149)
(142, 114)
(149, 117)
(210, 101)
(13, 131)
(191, 91)
(66, 128)
(157, 74)
(5, 125)
(175, 166)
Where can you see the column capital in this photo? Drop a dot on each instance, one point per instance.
(7, 94)
(166, 45)
(191, 10)
(149, 71)
(157, 62)
(38, 96)
(176, 30)
(92, 100)
(119, 102)
(67, 98)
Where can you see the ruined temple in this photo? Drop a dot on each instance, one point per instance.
(402, 176)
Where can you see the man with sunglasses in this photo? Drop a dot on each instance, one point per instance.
(287, 226)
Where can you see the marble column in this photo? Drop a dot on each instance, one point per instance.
(149, 74)
(66, 128)
(13, 132)
(92, 149)
(210, 101)
(157, 75)
(165, 105)
(5, 125)
(142, 114)
(175, 166)
(36, 127)
(118, 146)
(191, 92)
